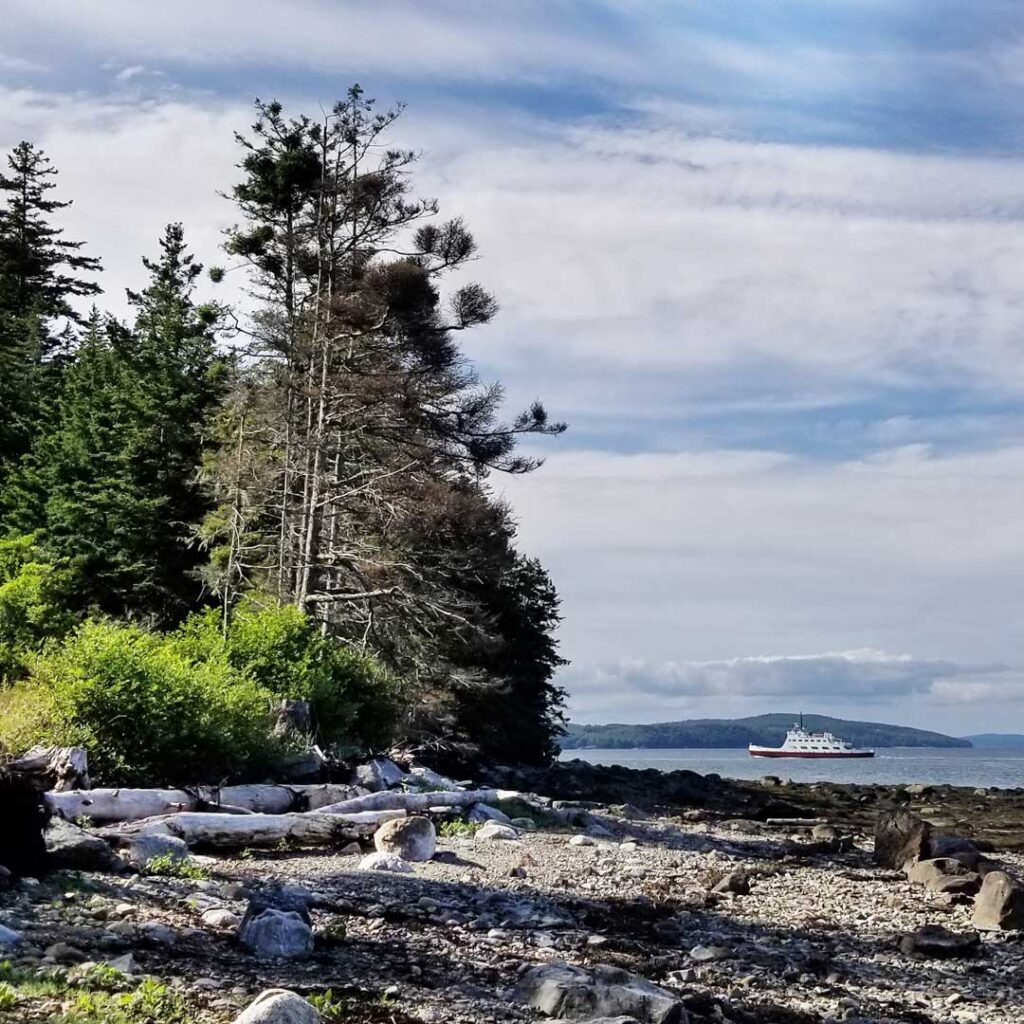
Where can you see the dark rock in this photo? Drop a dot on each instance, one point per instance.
(962, 850)
(900, 838)
(22, 848)
(939, 943)
(561, 990)
(999, 905)
(735, 882)
(69, 847)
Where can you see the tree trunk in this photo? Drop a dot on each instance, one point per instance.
(418, 801)
(104, 806)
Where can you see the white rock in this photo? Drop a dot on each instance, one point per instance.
(412, 838)
(493, 830)
(582, 841)
(432, 780)
(384, 862)
(482, 813)
(279, 1006)
(221, 917)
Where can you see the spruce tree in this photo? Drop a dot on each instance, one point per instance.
(39, 276)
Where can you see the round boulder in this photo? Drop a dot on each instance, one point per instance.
(279, 1006)
(412, 839)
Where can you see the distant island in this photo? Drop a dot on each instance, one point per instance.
(997, 740)
(765, 730)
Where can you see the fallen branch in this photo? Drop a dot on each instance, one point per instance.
(410, 802)
(230, 831)
(57, 768)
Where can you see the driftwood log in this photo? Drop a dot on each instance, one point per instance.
(231, 831)
(54, 768)
(410, 802)
(104, 806)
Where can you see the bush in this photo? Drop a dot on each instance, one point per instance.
(353, 698)
(193, 705)
(31, 605)
(144, 711)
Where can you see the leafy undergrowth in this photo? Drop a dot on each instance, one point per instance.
(456, 828)
(170, 866)
(98, 995)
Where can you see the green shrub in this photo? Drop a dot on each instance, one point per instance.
(31, 605)
(169, 866)
(144, 711)
(353, 698)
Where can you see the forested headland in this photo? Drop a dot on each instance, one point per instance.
(206, 509)
(763, 730)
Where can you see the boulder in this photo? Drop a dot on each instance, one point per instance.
(71, 848)
(582, 841)
(9, 937)
(944, 874)
(999, 905)
(483, 813)
(900, 837)
(632, 813)
(378, 775)
(431, 780)
(824, 833)
(221, 917)
(412, 838)
(939, 943)
(735, 882)
(279, 1006)
(492, 830)
(143, 849)
(561, 990)
(962, 850)
(268, 932)
(385, 862)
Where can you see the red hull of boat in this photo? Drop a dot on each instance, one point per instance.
(790, 753)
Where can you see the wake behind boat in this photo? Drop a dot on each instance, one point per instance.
(801, 743)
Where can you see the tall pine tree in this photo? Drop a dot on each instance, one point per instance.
(40, 273)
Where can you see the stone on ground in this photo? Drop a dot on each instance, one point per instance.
(735, 882)
(71, 848)
(900, 837)
(221, 917)
(944, 874)
(935, 941)
(385, 862)
(8, 937)
(279, 1006)
(276, 933)
(480, 814)
(411, 838)
(561, 990)
(493, 830)
(378, 774)
(999, 905)
(143, 849)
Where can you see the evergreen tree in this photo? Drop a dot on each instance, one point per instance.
(39, 275)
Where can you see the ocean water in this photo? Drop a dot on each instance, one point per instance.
(956, 766)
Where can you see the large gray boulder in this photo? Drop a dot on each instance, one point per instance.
(944, 874)
(561, 990)
(999, 905)
(268, 932)
(413, 838)
(900, 838)
(143, 849)
(279, 1006)
(378, 774)
(71, 848)
(959, 849)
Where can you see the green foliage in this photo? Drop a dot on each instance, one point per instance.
(150, 1003)
(456, 828)
(277, 647)
(145, 711)
(169, 866)
(8, 997)
(33, 595)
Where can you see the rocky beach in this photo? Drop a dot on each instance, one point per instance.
(597, 893)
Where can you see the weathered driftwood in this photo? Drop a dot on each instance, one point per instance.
(104, 806)
(230, 831)
(796, 822)
(410, 802)
(55, 768)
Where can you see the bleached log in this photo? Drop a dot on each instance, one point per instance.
(229, 831)
(60, 768)
(410, 802)
(104, 806)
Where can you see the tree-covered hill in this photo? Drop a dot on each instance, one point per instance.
(767, 730)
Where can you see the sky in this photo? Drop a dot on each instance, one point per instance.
(765, 257)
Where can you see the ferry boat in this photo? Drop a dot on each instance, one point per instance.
(801, 743)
